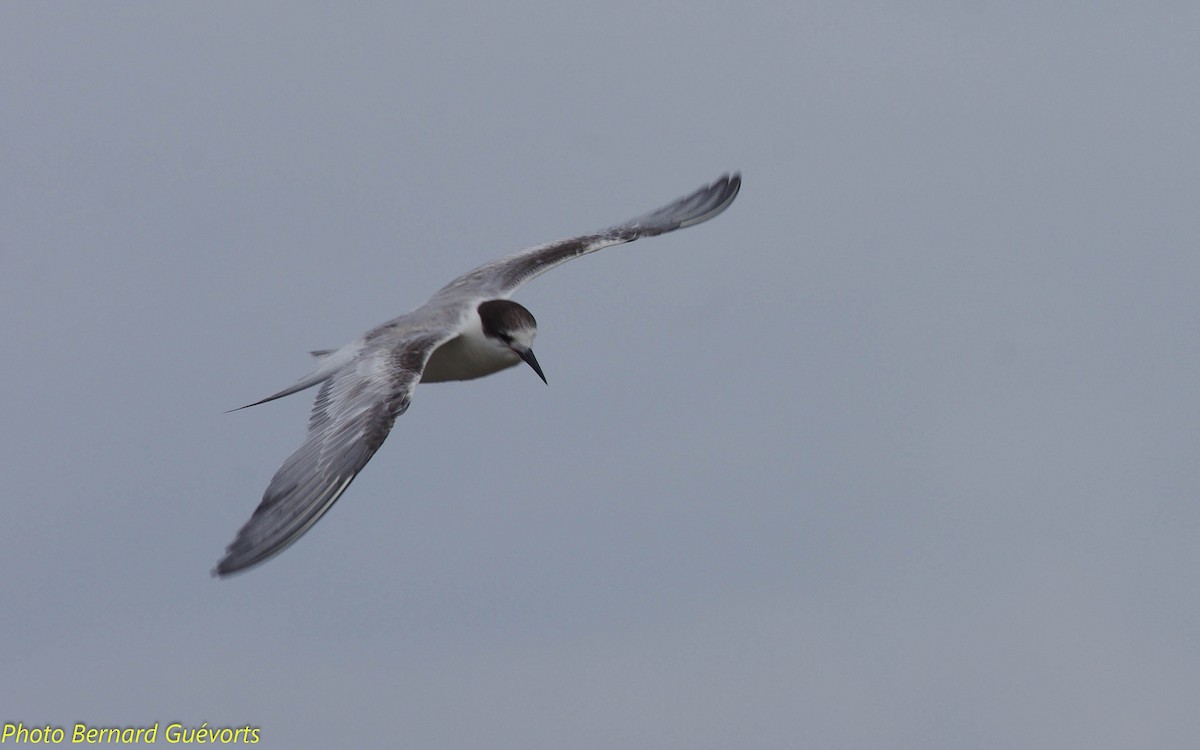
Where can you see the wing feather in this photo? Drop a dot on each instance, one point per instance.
(351, 417)
(502, 277)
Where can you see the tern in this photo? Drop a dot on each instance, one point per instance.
(468, 329)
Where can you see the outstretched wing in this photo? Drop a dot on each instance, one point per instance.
(352, 416)
(502, 277)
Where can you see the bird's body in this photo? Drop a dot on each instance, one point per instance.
(467, 330)
(474, 353)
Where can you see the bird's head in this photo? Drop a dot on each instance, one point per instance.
(510, 325)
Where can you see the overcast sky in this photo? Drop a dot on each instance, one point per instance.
(898, 452)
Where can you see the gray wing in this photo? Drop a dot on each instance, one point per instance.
(353, 413)
(502, 277)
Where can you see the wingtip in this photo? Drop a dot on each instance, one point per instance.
(220, 570)
(732, 186)
(224, 568)
(713, 199)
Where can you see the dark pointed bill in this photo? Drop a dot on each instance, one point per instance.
(531, 360)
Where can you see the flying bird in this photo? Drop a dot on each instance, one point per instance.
(468, 329)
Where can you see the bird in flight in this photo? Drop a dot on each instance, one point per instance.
(469, 329)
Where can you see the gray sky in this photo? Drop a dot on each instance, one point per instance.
(897, 452)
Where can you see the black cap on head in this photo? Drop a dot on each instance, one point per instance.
(500, 317)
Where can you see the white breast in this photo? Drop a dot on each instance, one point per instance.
(468, 356)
